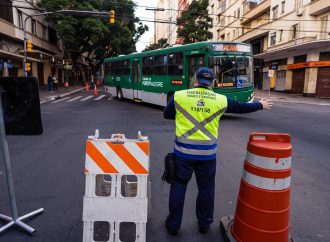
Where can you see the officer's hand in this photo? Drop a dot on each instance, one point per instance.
(266, 104)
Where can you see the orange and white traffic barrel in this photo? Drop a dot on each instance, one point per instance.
(263, 204)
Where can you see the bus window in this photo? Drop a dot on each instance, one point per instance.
(125, 67)
(116, 68)
(232, 71)
(175, 62)
(148, 66)
(161, 65)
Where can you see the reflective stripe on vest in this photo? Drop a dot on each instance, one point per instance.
(193, 135)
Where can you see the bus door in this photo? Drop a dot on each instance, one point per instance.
(194, 63)
(136, 77)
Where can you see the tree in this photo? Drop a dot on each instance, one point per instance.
(93, 34)
(194, 23)
(161, 43)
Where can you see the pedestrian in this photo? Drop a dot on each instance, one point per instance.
(197, 113)
(55, 82)
(50, 82)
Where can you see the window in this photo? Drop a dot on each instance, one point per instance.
(324, 27)
(238, 12)
(223, 22)
(218, 34)
(219, 19)
(222, 37)
(228, 36)
(175, 66)
(299, 3)
(161, 65)
(283, 7)
(234, 33)
(324, 56)
(52, 36)
(6, 10)
(148, 66)
(280, 35)
(33, 26)
(275, 12)
(299, 59)
(272, 39)
(125, 67)
(212, 8)
(295, 31)
(115, 68)
(20, 19)
(44, 32)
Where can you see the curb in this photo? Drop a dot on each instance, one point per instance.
(62, 95)
(280, 100)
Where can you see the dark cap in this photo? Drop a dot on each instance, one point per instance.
(205, 76)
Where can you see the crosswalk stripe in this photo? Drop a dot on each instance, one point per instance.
(99, 98)
(74, 99)
(60, 100)
(86, 98)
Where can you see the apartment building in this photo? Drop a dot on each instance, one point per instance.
(290, 36)
(47, 54)
(166, 27)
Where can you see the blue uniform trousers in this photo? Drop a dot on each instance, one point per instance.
(205, 176)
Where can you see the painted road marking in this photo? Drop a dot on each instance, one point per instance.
(99, 98)
(86, 98)
(74, 99)
(60, 100)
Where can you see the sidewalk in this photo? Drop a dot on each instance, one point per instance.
(291, 98)
(48, 96)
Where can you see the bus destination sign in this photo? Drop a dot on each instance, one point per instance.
(231, 47)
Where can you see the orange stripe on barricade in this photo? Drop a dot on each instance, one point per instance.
(126, 157)
(99, 159)
(144, 146)
(86, 171)
(276, 174)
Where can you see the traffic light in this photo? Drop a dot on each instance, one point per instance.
(29, 45)
(28, 66)
(112, 17)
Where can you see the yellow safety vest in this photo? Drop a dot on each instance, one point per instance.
(198, 112)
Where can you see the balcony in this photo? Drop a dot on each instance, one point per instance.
(318, 7)
(253, 9)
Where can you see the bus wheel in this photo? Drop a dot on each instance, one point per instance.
(119, 93)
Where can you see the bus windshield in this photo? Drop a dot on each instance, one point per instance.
(232, 71)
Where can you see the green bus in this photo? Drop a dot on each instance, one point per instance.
(154, 76)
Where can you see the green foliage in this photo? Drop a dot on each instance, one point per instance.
(194, 23)
(93, 34)
(161, 43)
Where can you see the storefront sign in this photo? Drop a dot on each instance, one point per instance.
(308, 64)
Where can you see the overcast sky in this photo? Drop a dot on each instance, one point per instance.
(141, 12)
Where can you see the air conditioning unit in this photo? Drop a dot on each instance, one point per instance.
(299, 11)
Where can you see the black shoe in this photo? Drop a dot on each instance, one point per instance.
(172, 232)
(203, 230)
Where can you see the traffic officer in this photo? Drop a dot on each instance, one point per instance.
(197, 113)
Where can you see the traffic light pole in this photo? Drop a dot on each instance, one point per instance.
(59, 11)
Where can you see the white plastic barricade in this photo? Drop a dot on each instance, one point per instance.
(116, 195)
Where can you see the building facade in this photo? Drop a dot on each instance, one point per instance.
(290, 37)
(166, 27)
(47, 54)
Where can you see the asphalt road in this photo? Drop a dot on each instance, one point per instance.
(48, 169)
